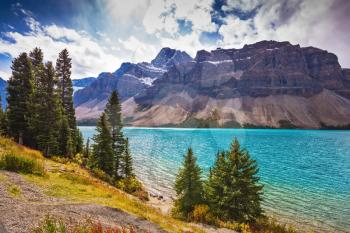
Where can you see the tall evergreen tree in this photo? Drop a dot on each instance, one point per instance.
(20, 91)
(113, 113)
(66, 144)
(38, 99)
(127, 161)
(63, 69)
(188, 185)
(232, 190)
(49, 117)
(3, 121)
(103, 154)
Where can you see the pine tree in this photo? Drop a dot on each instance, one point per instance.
(79, 145)
(38, 98)
(113, 113)
(66, 145)
(127, 161)
(232, 190)
(188, 185)
(63, 69)
(86, 153)
(20, 91)
(49, 117)
(3, 121)
(103, 155)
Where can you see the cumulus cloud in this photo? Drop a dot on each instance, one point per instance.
(89, 57)
(320, 23)
(136, 30)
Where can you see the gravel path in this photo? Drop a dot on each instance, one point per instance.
(20, 214)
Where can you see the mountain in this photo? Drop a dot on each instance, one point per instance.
(3, 93)
(269, 83)
(129, 80)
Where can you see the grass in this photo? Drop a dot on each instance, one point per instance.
(14, 190)
(75, 184)
(2, 178)
(69, 181)
(16, 158)
(51, 224)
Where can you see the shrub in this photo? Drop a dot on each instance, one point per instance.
(21, 164)
(129, 185)
(200, 213)
(98, 173)
(51, 225)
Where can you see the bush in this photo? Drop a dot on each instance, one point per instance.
(21, 164)
(51, 225)
(129, 185)
(98, 173)
(200, 213)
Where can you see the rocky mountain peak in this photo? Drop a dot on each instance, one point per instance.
(168, 57)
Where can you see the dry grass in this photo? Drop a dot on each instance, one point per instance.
(75, 184)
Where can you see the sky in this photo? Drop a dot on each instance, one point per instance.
(101, 34)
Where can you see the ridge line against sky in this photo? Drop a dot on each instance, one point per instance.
(100, 34)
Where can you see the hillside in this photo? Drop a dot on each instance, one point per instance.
(69, 192)
(266, 84)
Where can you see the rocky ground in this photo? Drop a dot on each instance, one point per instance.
(21, 213)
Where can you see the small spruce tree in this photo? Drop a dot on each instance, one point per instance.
(86, 153)
(103, 155)
(232, 189)
(113, 113)
(188, 185)
(127, 161)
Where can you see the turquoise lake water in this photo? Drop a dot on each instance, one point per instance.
(306, 173)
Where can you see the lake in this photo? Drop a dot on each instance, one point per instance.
(306, 173)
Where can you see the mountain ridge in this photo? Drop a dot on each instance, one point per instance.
(245, 86)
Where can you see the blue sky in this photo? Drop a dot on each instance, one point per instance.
(100, 34)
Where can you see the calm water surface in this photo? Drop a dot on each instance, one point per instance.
(306, 173)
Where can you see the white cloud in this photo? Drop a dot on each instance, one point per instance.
(320, 23)
(89, 58)
(162, 16)
(140, 51)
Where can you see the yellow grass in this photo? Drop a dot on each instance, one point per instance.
(74, 184)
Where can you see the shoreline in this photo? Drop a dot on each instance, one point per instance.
(223, 128)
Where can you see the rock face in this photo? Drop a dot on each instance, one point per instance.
(129, 80)
(265, 83)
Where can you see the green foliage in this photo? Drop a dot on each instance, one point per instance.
(51, 225)
(20, 91)
(113, 113)
(40, 106)
(127, 161)
(129, 185)
(286, 124)
(49, 114)
(21, 164)
(232, 191)
(103, 154)
(3, 121)
(201, 213)
(188, 185)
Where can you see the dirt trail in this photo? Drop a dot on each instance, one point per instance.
(19, 214)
